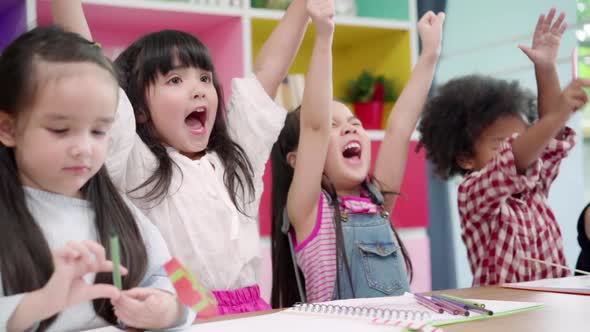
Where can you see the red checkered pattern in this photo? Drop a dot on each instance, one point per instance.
(505, 216)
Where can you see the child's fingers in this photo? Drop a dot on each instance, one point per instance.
(128, 318)
(577, 91)
(527, 51)
(582, 97)
(96, 249)
(99, 254)
(562, 29)
(577, 104)
(577, 99)
(129, 304)
(101, 264)
(85, 254)
(131, 311)
(75, 253)
(99, 291)
(581, 82)
(557, 25)
(427, 18)
(539, 26)
(66, 253)
(574, 93)
(124, 271)
(548, 20)
(107, 266)
(141, 293)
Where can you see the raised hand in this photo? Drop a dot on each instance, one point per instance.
(67, 287)
(322, 15)
(573, 96)
(148, 308)
(546, 39)
(430, 29)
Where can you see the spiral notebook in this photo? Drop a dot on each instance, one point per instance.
(374, 314)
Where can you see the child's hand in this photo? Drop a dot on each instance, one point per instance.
(546, 40)
(574, 97)
(66, 287)
(430, 29)
(148, 308)
(322, 16)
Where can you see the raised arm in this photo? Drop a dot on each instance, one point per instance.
(70, 16)
(528, 147)
(316, 117)
(279, 50)
(391, 161)
(65, 288)
(543, 54)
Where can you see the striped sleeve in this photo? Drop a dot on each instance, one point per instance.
(316, 256)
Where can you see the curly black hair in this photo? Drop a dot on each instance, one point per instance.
(463, 107)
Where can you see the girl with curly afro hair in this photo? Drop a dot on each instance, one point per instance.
(486, 130)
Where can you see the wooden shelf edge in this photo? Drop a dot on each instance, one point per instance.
(367, 22)
(255, 13)
(168, 6)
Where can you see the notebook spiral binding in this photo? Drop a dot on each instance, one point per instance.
(368, 312)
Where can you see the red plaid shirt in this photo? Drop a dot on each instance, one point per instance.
(505, 216)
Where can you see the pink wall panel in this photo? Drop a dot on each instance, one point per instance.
(117, 27)
(418, 247)
(411, 207)
(226, 46)
(265, 269)
(140, 19)
(265, 210)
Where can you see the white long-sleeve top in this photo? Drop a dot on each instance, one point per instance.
(197, 218)
(63, 219)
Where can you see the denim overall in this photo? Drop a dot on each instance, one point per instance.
(377, 266)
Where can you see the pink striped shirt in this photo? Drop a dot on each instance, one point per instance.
(316, 255)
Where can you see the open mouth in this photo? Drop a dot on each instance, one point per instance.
(352, 151)
(196, 120)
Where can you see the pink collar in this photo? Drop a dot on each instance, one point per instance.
(359, 205)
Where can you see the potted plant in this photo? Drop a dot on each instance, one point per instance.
(368, 93)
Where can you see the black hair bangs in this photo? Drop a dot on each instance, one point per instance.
(165, 50)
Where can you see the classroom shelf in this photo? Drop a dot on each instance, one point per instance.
(382, 46)
(116, 24)
(378, 50)
(366, 22)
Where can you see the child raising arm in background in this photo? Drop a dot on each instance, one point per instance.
(323, 189)
(485, 129)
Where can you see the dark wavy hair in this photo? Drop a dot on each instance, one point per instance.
(284, 286)
(138, 68)
(25, 257)
(455, 117)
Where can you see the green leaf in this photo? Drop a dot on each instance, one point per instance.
(363, 88)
